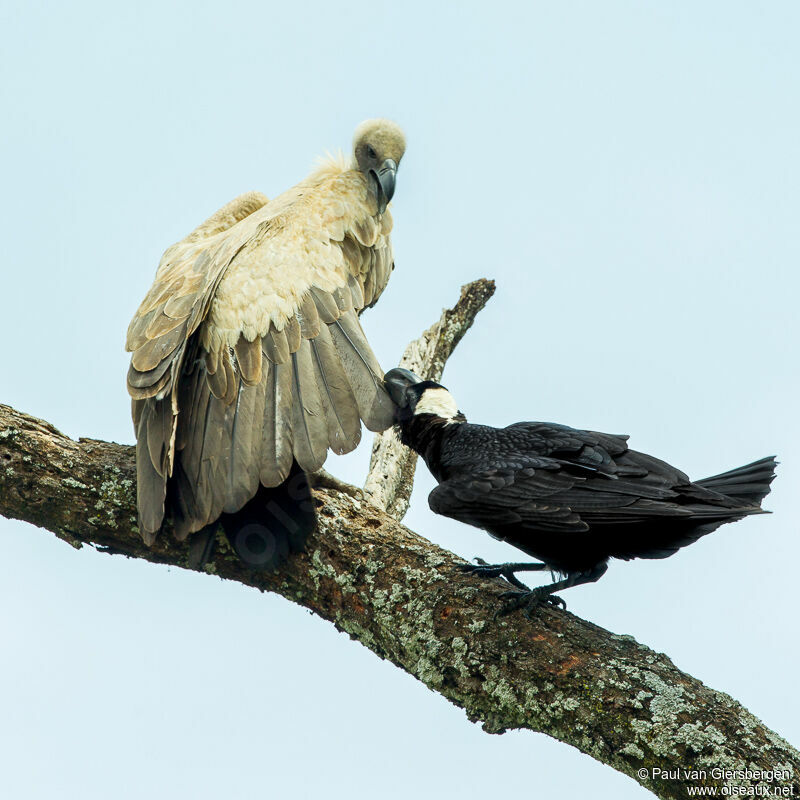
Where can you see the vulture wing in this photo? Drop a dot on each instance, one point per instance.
(159, 337)
(248, 353)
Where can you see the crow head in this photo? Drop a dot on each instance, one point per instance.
(414, 397)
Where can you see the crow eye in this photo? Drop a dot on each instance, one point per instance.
(371, 152)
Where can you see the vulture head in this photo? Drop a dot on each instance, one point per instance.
(413, 397)
(378, 146)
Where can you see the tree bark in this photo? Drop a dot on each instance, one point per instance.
(391, 469)
(404, 599)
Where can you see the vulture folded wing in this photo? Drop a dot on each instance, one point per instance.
(284, 371)
(159, 336)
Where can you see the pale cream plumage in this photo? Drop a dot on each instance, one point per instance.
(248, 352)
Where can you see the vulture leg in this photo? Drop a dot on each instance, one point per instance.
(201, 546)
(506, 571)
(541, 595)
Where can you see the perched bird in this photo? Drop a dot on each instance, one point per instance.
(249, 360)
(571, 498)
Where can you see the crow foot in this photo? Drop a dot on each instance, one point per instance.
(507, 570)
(529, 600)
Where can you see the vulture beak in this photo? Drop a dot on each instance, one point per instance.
(397, 381)
(385, 179)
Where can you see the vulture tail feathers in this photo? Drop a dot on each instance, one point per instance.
(276, 431)
(242, 477)
(309, 428)
(154, 416)
(338, 402)
(202, 461)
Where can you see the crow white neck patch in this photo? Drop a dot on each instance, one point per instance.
(439, 402)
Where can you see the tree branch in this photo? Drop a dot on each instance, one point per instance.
(403, 598)
(392, 466)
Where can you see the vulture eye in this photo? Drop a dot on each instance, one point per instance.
(371, 152)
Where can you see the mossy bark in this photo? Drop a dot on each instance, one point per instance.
(403, 598)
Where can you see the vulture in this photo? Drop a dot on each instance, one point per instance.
(248, 357)
(570, 498)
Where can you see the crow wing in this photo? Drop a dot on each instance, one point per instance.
(519, 497)
(551, 478)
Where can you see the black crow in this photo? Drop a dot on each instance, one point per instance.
(571, 498)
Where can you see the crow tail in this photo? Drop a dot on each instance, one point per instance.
(749, 484)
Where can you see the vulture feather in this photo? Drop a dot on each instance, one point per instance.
(248, 358)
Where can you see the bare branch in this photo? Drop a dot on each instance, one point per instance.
(401, 597)
(391, 469)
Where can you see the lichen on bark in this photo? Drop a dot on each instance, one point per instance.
(404, 598)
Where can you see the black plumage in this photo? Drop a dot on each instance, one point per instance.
(571, 498)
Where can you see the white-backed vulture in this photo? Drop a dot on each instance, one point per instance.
(249, 360)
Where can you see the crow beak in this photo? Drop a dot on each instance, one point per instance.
(397, 381)
(385, 179)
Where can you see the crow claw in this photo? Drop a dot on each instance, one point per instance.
(527, 601)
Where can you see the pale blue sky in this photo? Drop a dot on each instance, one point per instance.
(628, 172)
